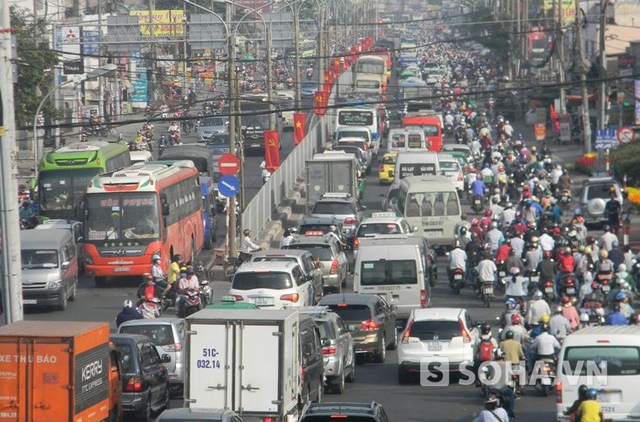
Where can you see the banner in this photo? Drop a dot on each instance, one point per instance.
(540, 131)
(328, 77)
(326, 87)
(299, 122)
(552, 114)
(337, 66)
(568, 8)
(320, 102)
(166, 23)
(271, 150)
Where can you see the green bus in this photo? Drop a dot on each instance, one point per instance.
(64, 174)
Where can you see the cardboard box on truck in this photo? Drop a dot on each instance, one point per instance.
(247, 361)
(331, 171)
(58, 371)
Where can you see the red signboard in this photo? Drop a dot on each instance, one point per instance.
(229, 164)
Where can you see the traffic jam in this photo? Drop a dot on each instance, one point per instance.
(441, 245)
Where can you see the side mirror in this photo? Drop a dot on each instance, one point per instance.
(325, 342)
(166, 358)
(351, 328)
(65, 265)
(80, 239)
(165, 209)
(394, 308)
(309, 277)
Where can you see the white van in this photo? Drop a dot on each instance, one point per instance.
(357, 132)
(416, 162)
(394, 271)
(401, 139)
(589, 350)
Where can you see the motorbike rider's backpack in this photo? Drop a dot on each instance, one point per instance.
(485, 350)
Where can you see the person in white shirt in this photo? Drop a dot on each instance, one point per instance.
(608, 240)
(555, 174)
(457, 259)
(537, 307)
(247, 246)
(332, 233)
(491, 412)
(545, 345)
(546, 242)
(559, 326)
(487, 271)
(508, 215)
(516, 285)
(286, 239)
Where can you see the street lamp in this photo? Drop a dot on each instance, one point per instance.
(104, 70)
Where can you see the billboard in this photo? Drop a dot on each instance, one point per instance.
(568, 8)
(166, 23)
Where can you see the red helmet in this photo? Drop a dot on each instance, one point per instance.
(475, 222)
(488, 213)
(516, 319)
(565, 300)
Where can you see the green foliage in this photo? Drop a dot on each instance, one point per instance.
(626, 160)
(34, 65)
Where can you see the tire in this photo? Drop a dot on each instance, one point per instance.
(394, 343)
(74, 290)
(352, 375)
(101, 281)
(319, 391)
(145, 414)
(381, 354)
(403, 378)
(63, 300)
(338, 386)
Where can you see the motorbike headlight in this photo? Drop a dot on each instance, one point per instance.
(53, 285)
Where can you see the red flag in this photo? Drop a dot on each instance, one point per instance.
(347, 59)
(336, 66)
(328, 77)
(271, 150)
(553, 114)
(299, 121)
(326, 87)
(320, 102)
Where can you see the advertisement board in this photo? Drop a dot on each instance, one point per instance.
(166, 23)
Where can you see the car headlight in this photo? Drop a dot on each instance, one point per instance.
(53, 285)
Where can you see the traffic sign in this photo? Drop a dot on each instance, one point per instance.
(606, 138)
(229, 164)
(228, 186)
(625, 135)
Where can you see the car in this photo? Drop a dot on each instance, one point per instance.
(272, 285)
(308, 89)
(75, 227)
(386, 173)
(374, 322)
(313, 225)
(450, 167)
(307, 262)
(360, 157)
(331, 258)
(446, 333)
(390, 199)
(218, 144)
(342, 206)
(595, 193)
(338, 347)
(361, 412)
(184, 414)
(361, 144)
(168, 336)
(210, 125)
(311, 362)
(388, 223)
(145, 379)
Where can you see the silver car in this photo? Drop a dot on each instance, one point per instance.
(332, 260)
(342, 206)
(596, 192)
(168, 335)
(338, 348)
(212, 125)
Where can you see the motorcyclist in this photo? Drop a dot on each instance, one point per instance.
(187, 283)
(604, 267)
(159, 276)
(478, 188)
(148, 290)
(608, 240)
(514, 260)
(25, 212)
(516, 285)
(128, 313)
(616, 317)
(546, 268)
(559, 325)
(494, 237)
(511, 309)
(569, 312)
(457, 260)
(590, 409)
(582, 394)
(487, 272)
(485, 336)
(536, 309)
(545, 346)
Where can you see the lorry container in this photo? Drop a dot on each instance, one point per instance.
(58, 371)
(331, 171)
(246, 361)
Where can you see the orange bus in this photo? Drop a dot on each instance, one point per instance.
(430, 124)
(145, 209)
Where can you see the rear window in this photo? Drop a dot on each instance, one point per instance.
(266, 280)
(388, 160)
(435, 330)
(275, 259)
(352, 312)
(326, 329)
(323, 252)
(126, 358)
(337, 417)
(449, 166)
(305, 228)
(598, 191)
(370, 230)
(161, 335)
(620, 360)
(377, 273)
(338, 208)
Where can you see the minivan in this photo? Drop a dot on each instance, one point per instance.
(395, 272)
(168, 336)
(49, 267)
(357, 132)
(416, 162)
(311, 362)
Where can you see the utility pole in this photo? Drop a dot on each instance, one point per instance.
(296, 42)
(560, 64)
(320, 49)
(602, 100)
(231, 208)
(586, 125)
(9, 215)
(272, 117)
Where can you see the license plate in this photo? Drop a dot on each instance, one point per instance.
(122, 270)
(535, 279)
(434, 346)
(606, 289)
(457, 277)
(477, 202)
(256, 146)
(29, 301)
(564, 198)
(546, 381)
(488, 290)
(264, 301)
(571, 290)
(548, 289)
(502, 274)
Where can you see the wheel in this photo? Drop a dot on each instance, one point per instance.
(338, 386)
(63, 300)
(381, 354)
(487, 303)
(394, 343)
(352, 375)
(74, 290)
(402, 376)
(101, 281)
(144, 415)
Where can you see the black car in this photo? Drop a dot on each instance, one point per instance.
(361, 412)
(145, 380)
(312, 362)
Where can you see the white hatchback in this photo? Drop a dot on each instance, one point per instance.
(445, 334)
(450, 167)
(272, 285)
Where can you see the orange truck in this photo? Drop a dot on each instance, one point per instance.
(58, 371)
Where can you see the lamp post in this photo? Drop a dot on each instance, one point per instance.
(94, 74)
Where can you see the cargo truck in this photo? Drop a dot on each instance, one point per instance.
(332, 172)
(58, 371)
(246, 360)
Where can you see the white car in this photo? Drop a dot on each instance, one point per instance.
(272, 285)
(450, 167)
(437, 333)
(380, 223)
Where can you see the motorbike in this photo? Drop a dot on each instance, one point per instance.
(448, 129)
(457, 280)
(565, 196)
(191, 304)
(205, 292)
(162, 145)
(150, 308)
(605, 285)
(546, 379)
(547, 291)
(534, 279)
(487, 293)
(568, 285)
(477, 204)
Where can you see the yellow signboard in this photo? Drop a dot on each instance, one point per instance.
(568, 9)
(164, 22)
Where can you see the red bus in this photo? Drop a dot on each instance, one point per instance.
(145, 209)
(430, 124)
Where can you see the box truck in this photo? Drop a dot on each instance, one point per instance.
(331, 172)
(246, 360)
(58, 371)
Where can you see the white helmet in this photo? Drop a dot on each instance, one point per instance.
(584, 317)
(127, 303)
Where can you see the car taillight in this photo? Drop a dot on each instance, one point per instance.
(423, 298)
(269, 419)
(238, 298)
(558, 391)
(569, 281)
(134, 384)
(293, 297)
(331, 350)
(302, 377)
(334, 267)
(407, 333)
(349, 221)
(356, 243)
(605, 281)
(369, 325)
(465, 334)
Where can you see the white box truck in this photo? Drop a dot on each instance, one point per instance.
(331, 172)
(246, 360)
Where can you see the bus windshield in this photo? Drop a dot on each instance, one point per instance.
(429, 130)
(132, 216)
(355, 117)
(430, 204)
(62, 189)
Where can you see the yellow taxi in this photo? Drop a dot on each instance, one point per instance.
(387, 166)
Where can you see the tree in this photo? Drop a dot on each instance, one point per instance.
(35, 63)
(626, 161)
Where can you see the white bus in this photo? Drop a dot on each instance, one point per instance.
(431, 206)
(359, 116)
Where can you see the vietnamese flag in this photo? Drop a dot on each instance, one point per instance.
(299, 122)
(347, 59)
(271, 150)
(328, 77)
(336, 66)
(320, 102)
(553, 114)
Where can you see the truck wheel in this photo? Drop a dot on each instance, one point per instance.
(101, 281)
(63, 300)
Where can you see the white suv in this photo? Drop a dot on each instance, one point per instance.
(272, 285)
(437, 333)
